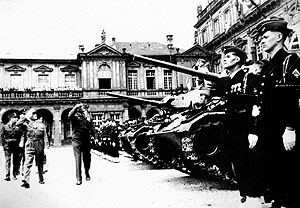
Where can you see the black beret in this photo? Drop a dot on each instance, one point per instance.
(273, 24)
(237, 51)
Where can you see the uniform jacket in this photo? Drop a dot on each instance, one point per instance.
(278, 98)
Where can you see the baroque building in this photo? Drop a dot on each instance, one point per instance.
(231, 22)
(53, 86)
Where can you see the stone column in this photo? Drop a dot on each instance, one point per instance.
(57, 132)
(125, 113)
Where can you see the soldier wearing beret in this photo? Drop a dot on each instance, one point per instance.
(277, 114)
(10, 136)
(242, 150)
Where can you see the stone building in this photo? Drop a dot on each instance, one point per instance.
(53, 86)
(231, 22)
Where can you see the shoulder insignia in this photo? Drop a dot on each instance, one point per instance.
(296, 73)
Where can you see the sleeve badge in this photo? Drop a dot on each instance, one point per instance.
(296, 73)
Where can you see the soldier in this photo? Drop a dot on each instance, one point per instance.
(22, 143)
(10, 136)
(36, 142)
(277, 114)
(83, 130)
(242, 149)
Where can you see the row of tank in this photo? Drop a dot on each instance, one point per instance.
(188, 136)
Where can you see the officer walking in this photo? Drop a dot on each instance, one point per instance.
(277, 115)
(83, 130)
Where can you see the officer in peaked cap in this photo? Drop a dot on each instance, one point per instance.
(277, 117)
(273, 24)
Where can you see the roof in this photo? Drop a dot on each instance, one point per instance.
(144, 48)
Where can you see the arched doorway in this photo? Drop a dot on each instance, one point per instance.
(47, 118)
(134, 113)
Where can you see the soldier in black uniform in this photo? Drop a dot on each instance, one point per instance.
(278, 110)
(241, 145)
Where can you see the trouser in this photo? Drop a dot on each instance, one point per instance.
(21, 160)
(34, 149)
(82, 152)
(281, 171)
(11, 151)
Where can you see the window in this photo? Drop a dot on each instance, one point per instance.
(216, 26)
(104, 77)
(115, 116)
(150, 79)
(227, 20)
(132, 79)
(194, 82)
(167, 79)
(43, 81)
(16, 81)
(97, 118)
(204, 36)
(70, 80)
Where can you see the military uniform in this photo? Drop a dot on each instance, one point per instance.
(10, 136)
(81, 141)
(278, 115)
(238, 90)
(279, 102)
(34, 148)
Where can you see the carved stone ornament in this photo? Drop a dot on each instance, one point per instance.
(103, 52)
(15, 68)
(69, 69)
(43, 69)
(133, 64)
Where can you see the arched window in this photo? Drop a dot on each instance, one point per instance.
(104, 76)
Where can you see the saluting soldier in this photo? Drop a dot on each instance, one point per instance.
(277, 114)
(242, 148)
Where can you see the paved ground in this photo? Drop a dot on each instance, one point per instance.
(114, 184)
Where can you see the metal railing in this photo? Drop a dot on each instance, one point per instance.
(76, 94)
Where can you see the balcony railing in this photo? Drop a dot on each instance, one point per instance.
(75, 94)
(24, 95)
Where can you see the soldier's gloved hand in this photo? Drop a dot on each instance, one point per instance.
(252, 139)
(289, 138)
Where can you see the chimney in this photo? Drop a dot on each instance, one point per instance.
(81, 48)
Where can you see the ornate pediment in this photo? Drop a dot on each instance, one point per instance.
(43, 69)
(15, 68)
(69, 69)
(103, 50)
(133, 64)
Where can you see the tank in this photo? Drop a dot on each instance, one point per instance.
(190, 140)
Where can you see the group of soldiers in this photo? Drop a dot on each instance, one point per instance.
(262, 112)
(24, 139)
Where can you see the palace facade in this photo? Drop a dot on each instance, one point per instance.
(53, 86)
(231, 22)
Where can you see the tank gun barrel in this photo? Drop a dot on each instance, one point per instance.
(205, 75)
(153, 102)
